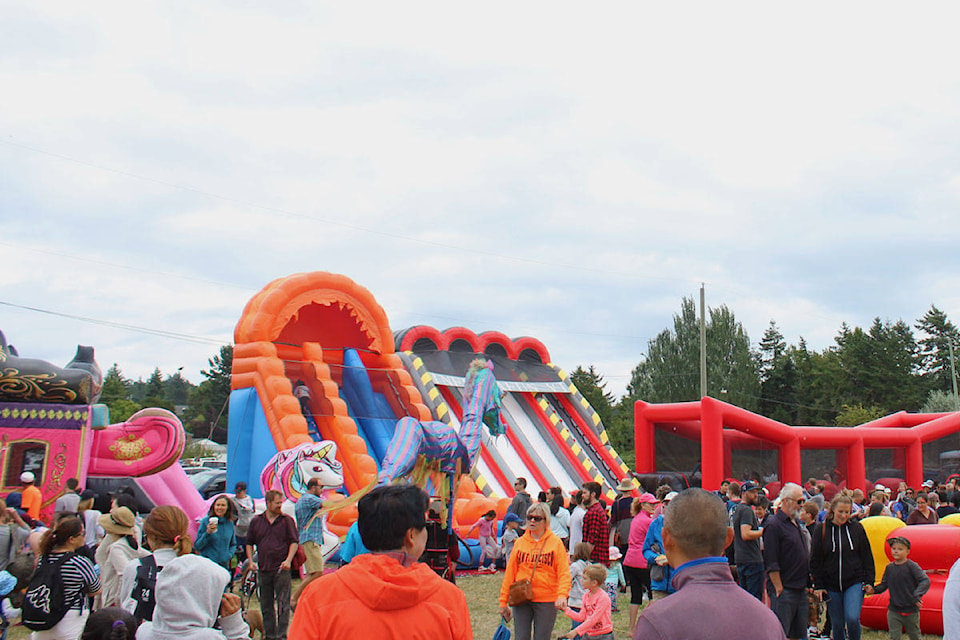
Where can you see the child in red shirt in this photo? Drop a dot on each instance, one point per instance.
(594, 615)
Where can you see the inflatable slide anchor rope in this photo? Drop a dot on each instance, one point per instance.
(396, 393)
(330, 506)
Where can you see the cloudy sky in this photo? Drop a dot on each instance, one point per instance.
(558, 170)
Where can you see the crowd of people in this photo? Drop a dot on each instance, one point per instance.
(697, 564)
(795, 564)
(115, 575)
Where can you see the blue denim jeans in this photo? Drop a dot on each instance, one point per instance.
(844, 608)
(750, 576)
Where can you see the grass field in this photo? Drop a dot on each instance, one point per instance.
(482, 592)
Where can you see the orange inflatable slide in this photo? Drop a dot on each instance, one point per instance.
(314, 360)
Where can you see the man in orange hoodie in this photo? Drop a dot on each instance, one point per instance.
(385, 593)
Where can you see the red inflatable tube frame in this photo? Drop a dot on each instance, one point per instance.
(722, 427)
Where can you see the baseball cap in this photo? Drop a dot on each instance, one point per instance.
(926, 483)
(749, 485)
(88, 495)
(879, 486)
(898, 540)
(27, 476)
(670, 496)
(648, 497)
(512, 517)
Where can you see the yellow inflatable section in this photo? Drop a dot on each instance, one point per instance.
(878, 528)
(953, 518)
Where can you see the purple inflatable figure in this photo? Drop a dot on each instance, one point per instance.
(439, 441)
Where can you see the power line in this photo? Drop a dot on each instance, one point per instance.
(119, 325)
(126, 267)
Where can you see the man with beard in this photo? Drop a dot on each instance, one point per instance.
(786, 558)
(595, 527)
(746, 541)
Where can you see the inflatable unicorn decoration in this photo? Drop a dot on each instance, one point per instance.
(437, 441)
(291, 469)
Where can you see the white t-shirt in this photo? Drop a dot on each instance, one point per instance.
(951, 604)
(576, 526)
(94, 532)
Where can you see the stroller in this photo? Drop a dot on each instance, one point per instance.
(248, 584)
(443, 547)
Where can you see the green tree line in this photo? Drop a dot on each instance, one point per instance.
(204, 406)
(866, 373)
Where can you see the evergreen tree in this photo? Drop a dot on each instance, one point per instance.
(593, 388)
(155, 394)
(880, 367)
(208, 413)
(115, 386)
(934, 354)
(778, 377)
(116, 395)
(177, 388)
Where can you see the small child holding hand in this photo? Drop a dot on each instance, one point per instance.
(907, 583)
(594, 616)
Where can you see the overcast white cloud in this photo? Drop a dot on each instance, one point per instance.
(546, 169)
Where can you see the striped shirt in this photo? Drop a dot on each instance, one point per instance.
(79, 577)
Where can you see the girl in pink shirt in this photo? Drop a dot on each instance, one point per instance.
(594, 616)
(486, 531)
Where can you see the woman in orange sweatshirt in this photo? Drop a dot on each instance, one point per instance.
(538, 556)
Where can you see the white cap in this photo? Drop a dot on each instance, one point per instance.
(670, 496)
(27, 476)
(879, 486)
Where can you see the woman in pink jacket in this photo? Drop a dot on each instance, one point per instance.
(634, 564)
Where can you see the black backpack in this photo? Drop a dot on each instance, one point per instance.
(45, 603)
(144, 589)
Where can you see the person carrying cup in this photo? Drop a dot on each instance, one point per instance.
(216, 537)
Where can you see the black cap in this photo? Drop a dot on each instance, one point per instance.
(749, 486)
(88, 495)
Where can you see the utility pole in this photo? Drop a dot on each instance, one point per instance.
(953, 378)
(703, 343)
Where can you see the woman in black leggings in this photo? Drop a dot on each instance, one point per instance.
(634, 564)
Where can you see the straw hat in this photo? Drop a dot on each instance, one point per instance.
(119, 521)
(626, 485)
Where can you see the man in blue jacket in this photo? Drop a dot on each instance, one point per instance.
(654, 551)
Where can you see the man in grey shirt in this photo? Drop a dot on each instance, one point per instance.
(70, 498)
(746, 542)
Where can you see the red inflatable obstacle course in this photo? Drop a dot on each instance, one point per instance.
(721, 428)
(935, 548)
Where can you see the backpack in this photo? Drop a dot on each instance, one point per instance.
(144, 589)
(45, 603)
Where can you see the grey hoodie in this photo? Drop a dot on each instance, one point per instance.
(188, 601)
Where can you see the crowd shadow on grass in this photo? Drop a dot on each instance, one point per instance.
(483, 591)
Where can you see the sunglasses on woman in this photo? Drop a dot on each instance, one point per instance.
(534, 518)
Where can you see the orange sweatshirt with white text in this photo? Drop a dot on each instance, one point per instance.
(552, 579)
